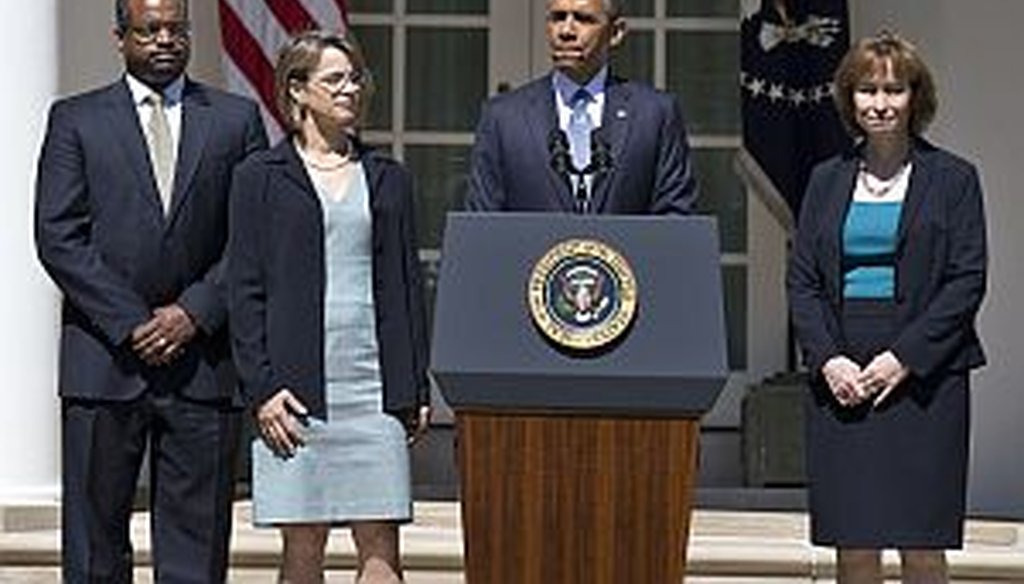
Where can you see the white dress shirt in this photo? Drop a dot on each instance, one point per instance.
(565, 89)
(172, 104)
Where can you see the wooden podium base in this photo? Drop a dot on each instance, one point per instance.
(575, 499)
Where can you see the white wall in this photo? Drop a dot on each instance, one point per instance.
(974, 49)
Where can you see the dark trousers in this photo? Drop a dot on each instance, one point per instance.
(192, 446)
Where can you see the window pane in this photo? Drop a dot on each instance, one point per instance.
(441, 173)
(376, 44)
(637, 7)
(722, 195)
(447, 6)
(703, 68)
(734, 291)
(446, 78)
(718, 8)
(371, 6)
(634, 58)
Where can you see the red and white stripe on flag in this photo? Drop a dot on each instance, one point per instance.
(252, 31)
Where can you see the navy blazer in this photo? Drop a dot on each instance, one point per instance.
(103, 237)
(650, 159)
(940, 263)
(276, 280)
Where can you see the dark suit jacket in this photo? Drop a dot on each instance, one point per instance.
(940, 263)
(511, 161)
(102, 235)
(277, 279)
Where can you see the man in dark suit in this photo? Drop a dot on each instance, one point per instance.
(131, 223)
(578, 139)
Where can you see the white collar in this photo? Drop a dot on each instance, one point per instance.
(140, 91)
(567, 88)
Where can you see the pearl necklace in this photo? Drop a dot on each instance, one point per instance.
(881, 188)
(328, 167)
(346, 159)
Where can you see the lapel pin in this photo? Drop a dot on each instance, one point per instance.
(620, 114)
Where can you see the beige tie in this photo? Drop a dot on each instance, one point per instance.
(161, 149)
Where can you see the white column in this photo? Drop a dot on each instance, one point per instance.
(29, 414)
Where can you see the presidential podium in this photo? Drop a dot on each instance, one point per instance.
(578, 353)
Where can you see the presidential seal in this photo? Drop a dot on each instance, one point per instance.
(582, 295)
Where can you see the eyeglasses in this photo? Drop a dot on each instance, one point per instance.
(337, 80)
(150, 32)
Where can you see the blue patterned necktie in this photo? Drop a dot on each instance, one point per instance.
(580, 126)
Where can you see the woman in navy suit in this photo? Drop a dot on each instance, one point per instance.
(885, 281)
(327, 319)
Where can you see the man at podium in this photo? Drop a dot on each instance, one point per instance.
(580, 139)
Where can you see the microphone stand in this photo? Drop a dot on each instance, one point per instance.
(561, 160)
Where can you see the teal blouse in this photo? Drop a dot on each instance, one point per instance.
(869, 250)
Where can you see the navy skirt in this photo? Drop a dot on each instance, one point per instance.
(892, 476)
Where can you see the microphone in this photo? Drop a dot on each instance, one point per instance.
(600, 154)
(561, 160)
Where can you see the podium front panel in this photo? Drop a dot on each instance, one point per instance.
(487, 352)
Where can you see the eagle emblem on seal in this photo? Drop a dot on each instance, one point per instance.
(582, 294)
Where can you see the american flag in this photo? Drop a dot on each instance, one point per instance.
(789, 52)
(252, 31)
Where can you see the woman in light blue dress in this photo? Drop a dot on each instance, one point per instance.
(327, 319)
